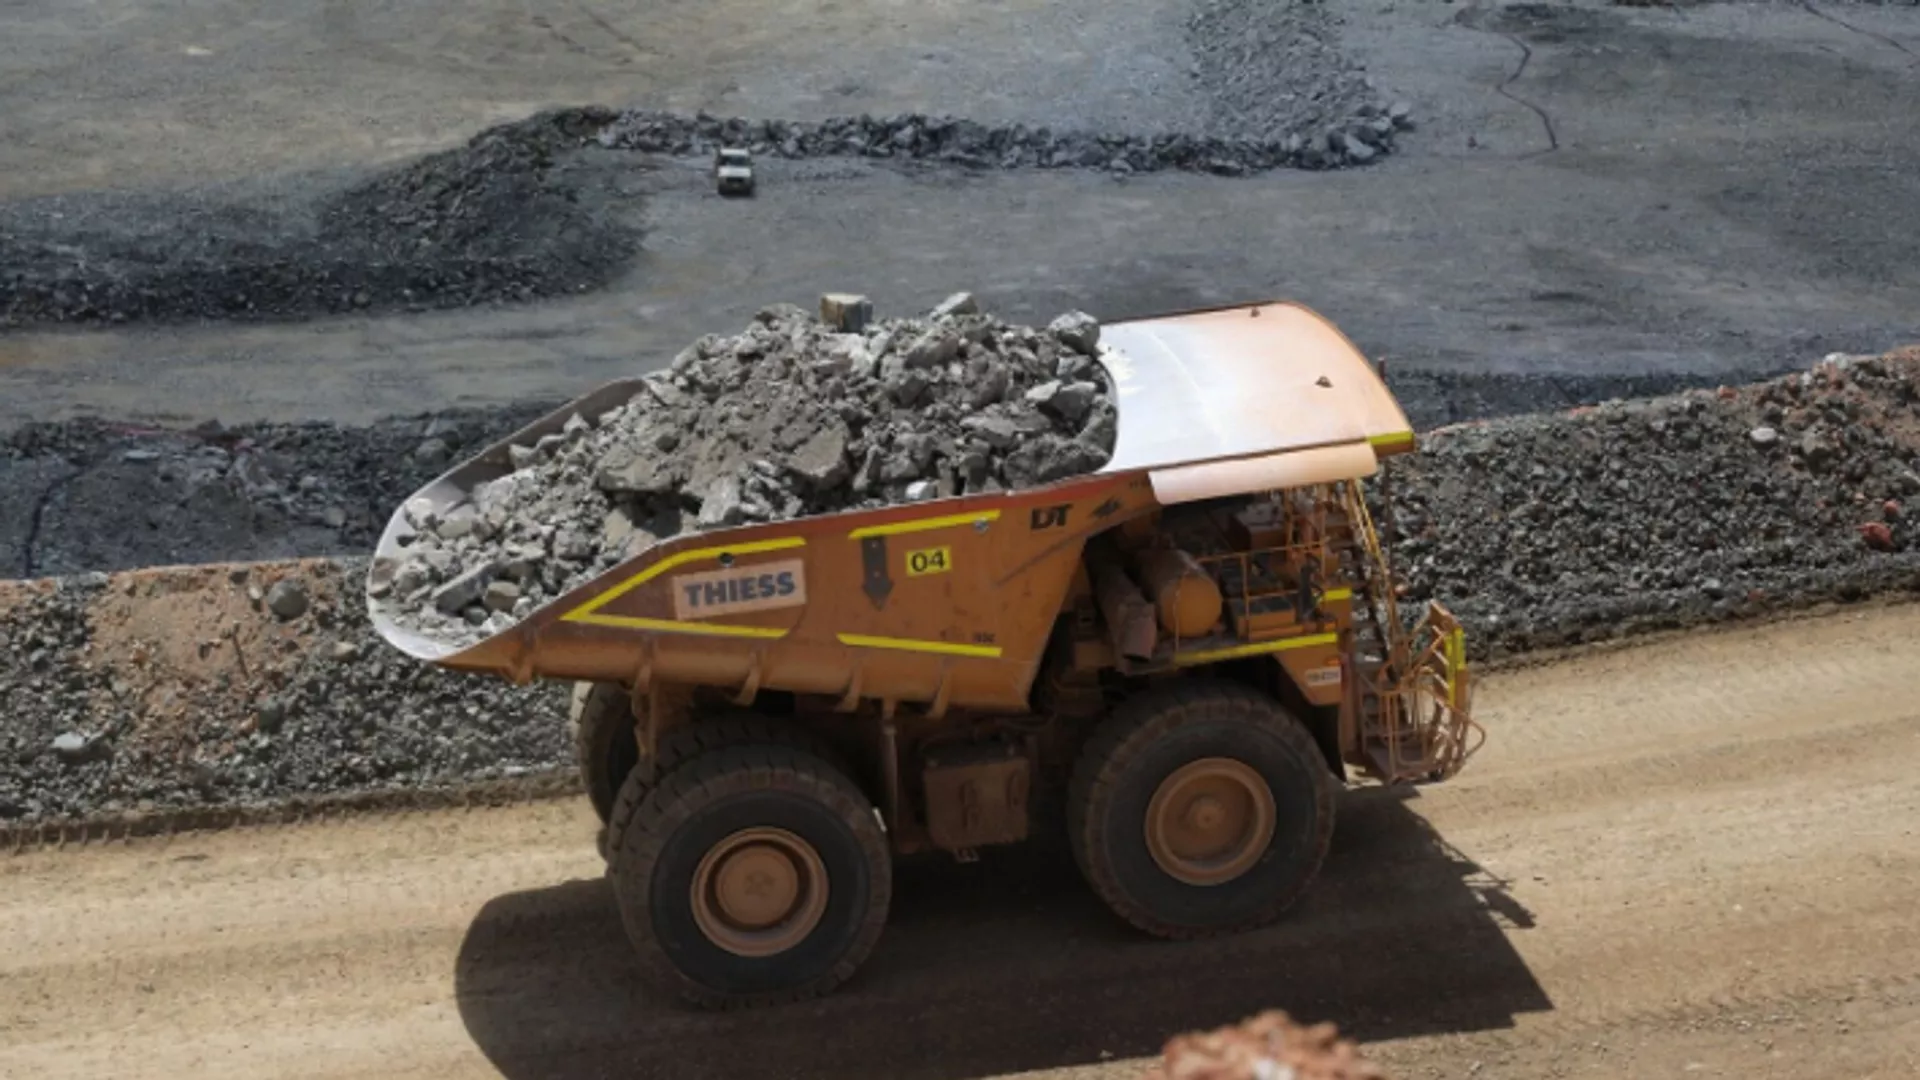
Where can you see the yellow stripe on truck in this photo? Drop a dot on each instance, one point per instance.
(1398, 438)
(589, 612)
(923, 524)
(945, 648)
(1258, 648)
(670, 626)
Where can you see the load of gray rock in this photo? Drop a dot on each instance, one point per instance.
(1355, 136)
(790, 418)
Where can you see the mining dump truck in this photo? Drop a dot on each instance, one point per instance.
(1186, 654)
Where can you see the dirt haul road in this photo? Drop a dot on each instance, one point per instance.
(1690, 858)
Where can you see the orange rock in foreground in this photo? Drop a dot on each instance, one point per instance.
(1267, 1047)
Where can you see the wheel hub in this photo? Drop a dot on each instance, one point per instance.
(1210, 821)
(759, 892)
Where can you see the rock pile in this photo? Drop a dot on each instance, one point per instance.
(1248, 56)
(506, 217)
(1269, 1045)
(787, 419)
(192, 687)
(1349, 140)
(1549, 530)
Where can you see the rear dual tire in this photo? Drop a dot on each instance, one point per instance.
(607, 750)
(751, 875)
(1201, 809)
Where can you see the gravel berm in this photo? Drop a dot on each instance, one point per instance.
(790, 418)
(1363, 132)
(1670, 512)
(181, 688)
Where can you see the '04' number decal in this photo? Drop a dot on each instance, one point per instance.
(926, 561)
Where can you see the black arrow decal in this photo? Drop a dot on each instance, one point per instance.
(873, 556)
(1107, 509)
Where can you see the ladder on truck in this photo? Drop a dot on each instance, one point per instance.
(1411, 685)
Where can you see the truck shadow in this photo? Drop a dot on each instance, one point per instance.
(1011, 964)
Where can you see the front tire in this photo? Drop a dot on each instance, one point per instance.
(753, 875)
(1200, 809)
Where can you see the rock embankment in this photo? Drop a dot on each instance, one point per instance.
(1554, 529)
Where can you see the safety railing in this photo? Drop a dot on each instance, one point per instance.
(1424, 725)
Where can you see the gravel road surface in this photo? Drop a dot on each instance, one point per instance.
(1693, 858)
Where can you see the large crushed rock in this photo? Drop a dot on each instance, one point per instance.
(1265, 1047)
(1366, 134)
(500, 218)
(788, 419)
(172, 689)
(1544, 531)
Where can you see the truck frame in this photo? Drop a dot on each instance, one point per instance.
(1189, 652)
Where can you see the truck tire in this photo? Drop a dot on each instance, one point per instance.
(754, 875)
(1200, 809)
(605, 749)
(705, 734)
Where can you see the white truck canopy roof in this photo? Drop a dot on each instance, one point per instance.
(1246, 398)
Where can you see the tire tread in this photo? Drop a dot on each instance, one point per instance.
(705, 735)
(655, 811)
(1136, 724)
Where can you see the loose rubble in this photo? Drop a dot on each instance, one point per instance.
(174, 689)
(789, 418)
(1245, 50)
(1551, 530)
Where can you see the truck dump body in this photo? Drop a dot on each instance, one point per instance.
(946, 601)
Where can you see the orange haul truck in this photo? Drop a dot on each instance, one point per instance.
(1190, 649)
